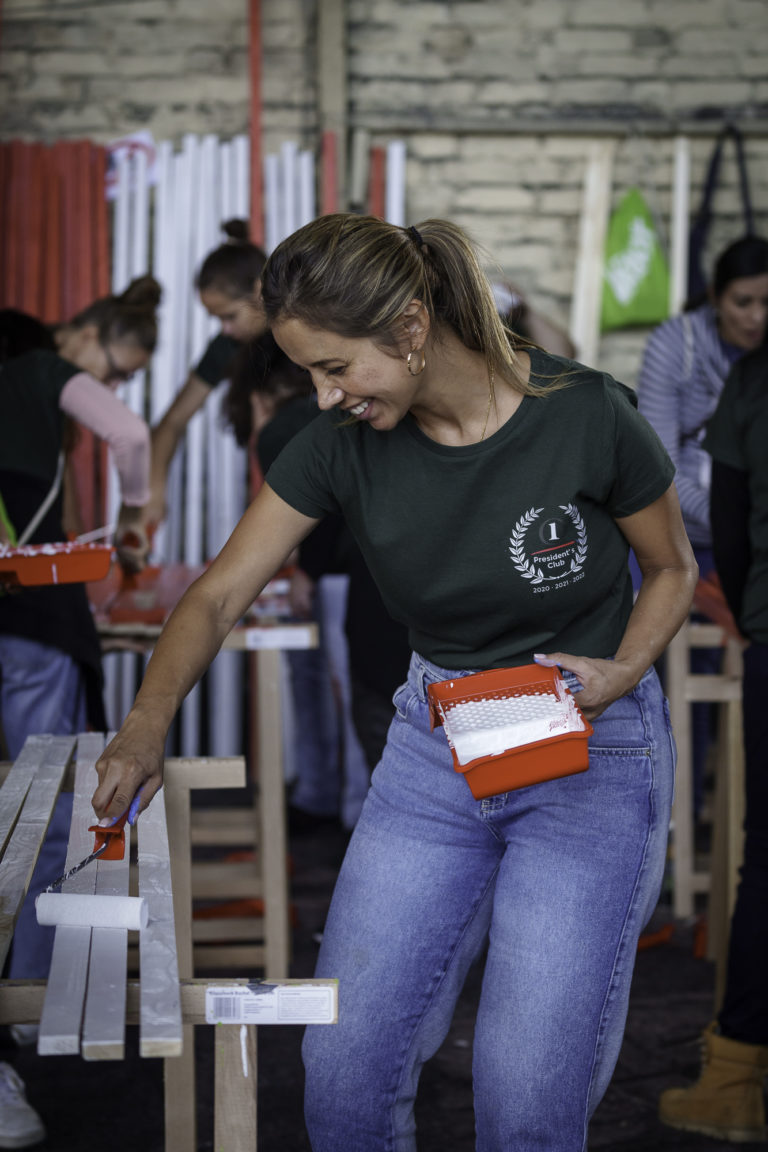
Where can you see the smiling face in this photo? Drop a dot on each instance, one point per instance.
(742, 310)
(242, 318)
(354, 374)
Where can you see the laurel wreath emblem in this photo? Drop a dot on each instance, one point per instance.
(523, 565)
(517, 540)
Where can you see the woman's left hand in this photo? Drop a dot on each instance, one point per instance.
(603, 680)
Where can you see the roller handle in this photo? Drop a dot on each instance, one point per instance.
(110, 838)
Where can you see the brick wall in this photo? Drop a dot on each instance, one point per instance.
(496, 100)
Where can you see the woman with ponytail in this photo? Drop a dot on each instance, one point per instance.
(494, 490)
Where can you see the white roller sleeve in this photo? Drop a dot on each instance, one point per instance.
(55, 908)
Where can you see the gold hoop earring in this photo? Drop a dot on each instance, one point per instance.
(411, 360)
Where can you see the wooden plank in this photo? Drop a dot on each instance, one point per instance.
(161, 1027)
(212, 880)
(104, 1021)
(16, 785)
(230, 957)
(271, 816)
(179, 1077)
(21, 1001)
(234, 1110)
(205, 772)
(23, 848)
(61, 1019)
(227, 928)
(224, 826)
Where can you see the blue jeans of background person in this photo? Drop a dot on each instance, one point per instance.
(41, 691)
(559, 878)
(744, 1015)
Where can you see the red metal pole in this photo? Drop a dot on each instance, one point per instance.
(51, 309)
(377, 182)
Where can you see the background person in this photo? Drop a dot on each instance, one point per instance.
(50, 658)
(727, 1101)
(449, 445)
(684, 367)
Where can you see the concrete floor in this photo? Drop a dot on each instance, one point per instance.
(120, 1106)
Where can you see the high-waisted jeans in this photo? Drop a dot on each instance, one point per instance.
(559, 879)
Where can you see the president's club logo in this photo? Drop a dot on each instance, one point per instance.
(549, 550)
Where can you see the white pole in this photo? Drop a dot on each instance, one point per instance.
(288, 154)
(307, 209)
(395, 185)
(241, 149)
(679, 229)
(272, 236)
(358, 178)
(588, 278)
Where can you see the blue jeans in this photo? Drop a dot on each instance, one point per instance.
(559, 878)
(41, 691)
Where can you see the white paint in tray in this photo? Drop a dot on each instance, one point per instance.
(490, 725)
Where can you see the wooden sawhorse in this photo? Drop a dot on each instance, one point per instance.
(85, 1005)
(721, 879)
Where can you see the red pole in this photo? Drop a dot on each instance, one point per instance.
(51, 305)
(377, 182)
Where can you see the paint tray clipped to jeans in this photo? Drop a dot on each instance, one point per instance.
(511, 727)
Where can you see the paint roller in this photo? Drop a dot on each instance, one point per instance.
(76, 910)
(87, 911)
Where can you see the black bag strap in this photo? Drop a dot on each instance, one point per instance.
(697, 281)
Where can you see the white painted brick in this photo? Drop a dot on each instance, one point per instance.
(489, 199)
(576, 41)
(609, 13)
(690, 94)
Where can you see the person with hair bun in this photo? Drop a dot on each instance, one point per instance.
(494, 490)
(50, 655)
(229, 289)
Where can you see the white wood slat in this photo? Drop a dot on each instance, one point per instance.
(62, 1013)
(21, 854)
(16, 785)
(160, 1029)
(104, 1021)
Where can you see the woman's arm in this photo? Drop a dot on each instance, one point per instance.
(92, 404)
(669, 571)
(662, 388)
(165, 440)
(268, 531)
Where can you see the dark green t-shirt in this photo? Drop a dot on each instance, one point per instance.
(737, 435)
(216, 362)
(490, 552)
(31, 422)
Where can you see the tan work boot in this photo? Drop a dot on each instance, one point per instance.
(727, 1099)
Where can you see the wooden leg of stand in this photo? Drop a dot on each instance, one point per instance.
(273, 847)
(235, 1070)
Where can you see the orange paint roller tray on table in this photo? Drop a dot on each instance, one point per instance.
(62, 563)
(563, 753)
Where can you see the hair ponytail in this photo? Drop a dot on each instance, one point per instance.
(130, 317)
(356, 275)
(235, 266)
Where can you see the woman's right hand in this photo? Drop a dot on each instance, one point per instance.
(133, 760)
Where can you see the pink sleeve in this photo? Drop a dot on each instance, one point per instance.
(92, 404)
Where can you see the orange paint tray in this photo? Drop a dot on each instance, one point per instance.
(515, 690)
(64, 563)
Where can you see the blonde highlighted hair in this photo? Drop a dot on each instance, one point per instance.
(356, 275)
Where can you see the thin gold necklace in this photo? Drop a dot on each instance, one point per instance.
(491, 399)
